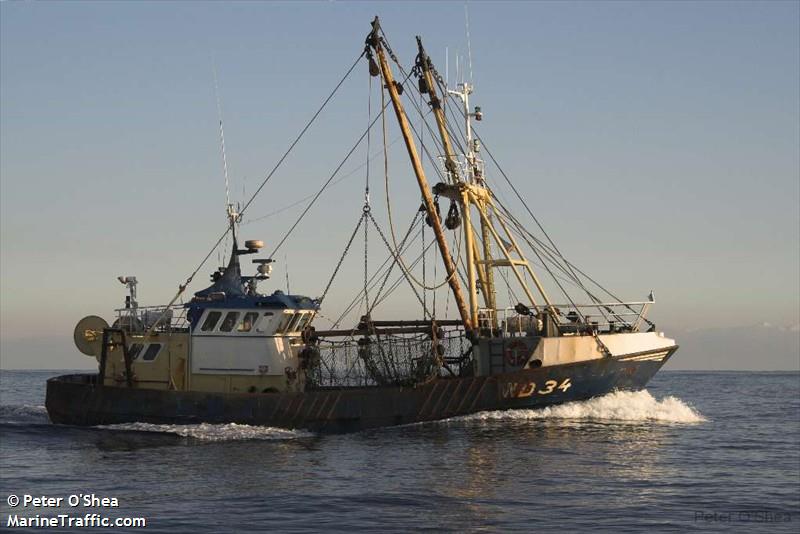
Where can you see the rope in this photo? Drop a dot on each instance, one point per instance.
(402, 277)
(403, 266)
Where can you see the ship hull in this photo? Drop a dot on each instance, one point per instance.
(78, 400)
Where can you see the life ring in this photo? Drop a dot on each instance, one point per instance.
(517, 353)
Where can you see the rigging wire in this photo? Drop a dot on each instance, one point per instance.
(400, 278)
(336, 171)
(555, 279)
(522, 201)
(524, 234)
(182, 287)
(341, 259)
(386, 359)
(307, 197)
(551, 256)
(558, 262)
(391, 229)
(421, 139)
(459, 139)
(572, 268)
(391, 267)
(325, 185)
(479, 239)
(386, 242)
(366, 208)
(358, 298)
(388, 200)
(300, 135)
(566, 266)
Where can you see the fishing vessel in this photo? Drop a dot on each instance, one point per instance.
(234, 354)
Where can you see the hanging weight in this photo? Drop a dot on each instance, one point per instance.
(453, 219)
(438, 212)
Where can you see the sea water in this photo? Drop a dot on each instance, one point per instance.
(701, 451)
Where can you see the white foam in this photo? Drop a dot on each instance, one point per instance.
(215, 432)
(23, 413)
(619, 406)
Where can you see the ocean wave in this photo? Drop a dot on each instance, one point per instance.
(214, 432)
(23, 413)
(619, 406)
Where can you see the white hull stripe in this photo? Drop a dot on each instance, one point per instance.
(657, 357)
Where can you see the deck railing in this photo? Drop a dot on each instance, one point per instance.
(605, 317)
(142, 318)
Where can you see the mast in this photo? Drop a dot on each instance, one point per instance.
(451, 165)
(476, 177)
(450, 162)
(473, 191)
(373, 41)
(474, 261)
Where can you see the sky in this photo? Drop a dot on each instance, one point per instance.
(656, 141)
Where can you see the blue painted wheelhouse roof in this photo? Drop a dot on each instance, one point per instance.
(278, 300)
(228, 292)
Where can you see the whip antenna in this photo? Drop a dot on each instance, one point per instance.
(446, 67)
(469, 44)
(222, 141)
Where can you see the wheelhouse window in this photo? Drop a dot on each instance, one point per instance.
(229, 322)
(211, 321)
(134, 350)
(295, 320)
(151, 352)
(287, 318)
(300, 321)
(247, 322)
(263, 326)
(304, 321)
